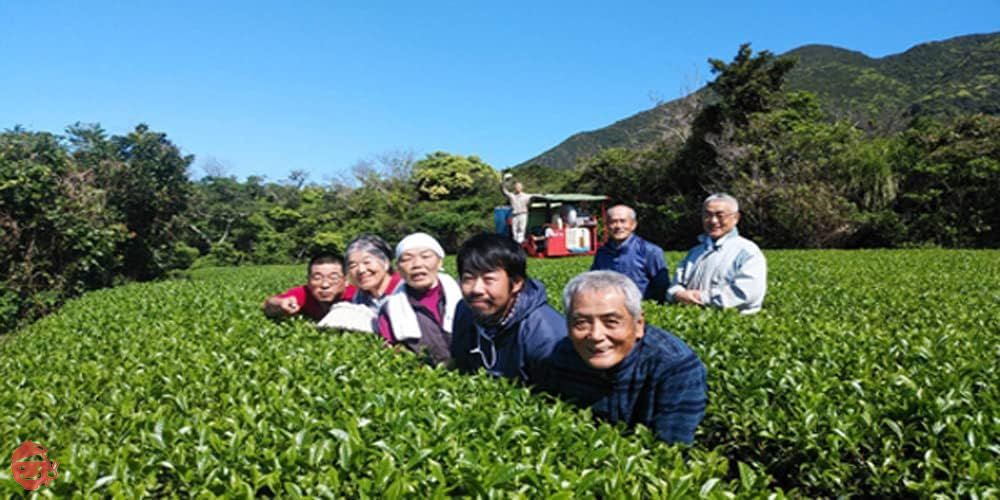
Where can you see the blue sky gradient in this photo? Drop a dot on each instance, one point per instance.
(265, 88)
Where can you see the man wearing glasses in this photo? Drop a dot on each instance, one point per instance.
(504, 323)
(725, 269)
(325, 286)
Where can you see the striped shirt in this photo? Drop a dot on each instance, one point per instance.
(730, 272)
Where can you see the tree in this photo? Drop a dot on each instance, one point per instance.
(57, 238)
(950, 178)
(749, 84)
(148, 185)
(444, 176)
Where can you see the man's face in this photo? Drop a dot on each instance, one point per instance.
(490, 294)
(419, 267)
(326, 281)
(601, 328)
(518, 187)
(620, 224)
(719, 218)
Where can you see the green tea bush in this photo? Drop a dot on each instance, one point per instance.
(183, 388)
(868, 373)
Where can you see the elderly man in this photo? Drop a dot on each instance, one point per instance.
(631, 255)
(419, 315)
(504, 324)
(519, 202)
(725, 269)
(621, 368)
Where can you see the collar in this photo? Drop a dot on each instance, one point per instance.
(491, 325)
(717, 244)
(420, 294)
(394, 280)
(621, 246)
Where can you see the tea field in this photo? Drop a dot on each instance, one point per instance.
(869, 373)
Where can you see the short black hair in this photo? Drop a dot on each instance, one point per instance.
(324, 258)
(488, 252)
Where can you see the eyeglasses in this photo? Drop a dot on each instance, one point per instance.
(717, 215)
(480, 334)
(335, 279)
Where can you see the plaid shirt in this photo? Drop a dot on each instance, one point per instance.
(660, 384)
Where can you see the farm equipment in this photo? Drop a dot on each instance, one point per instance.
(560, 225)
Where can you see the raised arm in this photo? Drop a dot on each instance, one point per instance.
(503, 186)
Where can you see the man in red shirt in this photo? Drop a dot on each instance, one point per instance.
(325, 286)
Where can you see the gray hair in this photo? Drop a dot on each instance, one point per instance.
(593, 281)
(372, 245)
(726, 197)
(629, 211)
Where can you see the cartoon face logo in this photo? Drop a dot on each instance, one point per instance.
(30, 472)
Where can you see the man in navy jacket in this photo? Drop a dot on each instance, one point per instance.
(633, 256)
(622, 368)
(504, 323)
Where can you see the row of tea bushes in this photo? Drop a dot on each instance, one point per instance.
(868, 373)
(182, 388)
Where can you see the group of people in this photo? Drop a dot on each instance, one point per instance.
(602, 354)
(724, 270)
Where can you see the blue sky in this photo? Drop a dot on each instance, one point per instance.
(265, 88)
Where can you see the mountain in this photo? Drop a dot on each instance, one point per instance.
(956, 76)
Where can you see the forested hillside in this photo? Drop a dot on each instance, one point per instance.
(948, 78)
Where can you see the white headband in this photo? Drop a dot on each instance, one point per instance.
(419, 240)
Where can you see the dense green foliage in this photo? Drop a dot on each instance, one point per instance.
(447, 195)
(803, 180)
(868, 372)
(79, 213)
(87, 210)
(959, 76)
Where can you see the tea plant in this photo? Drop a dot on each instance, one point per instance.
(868, 373)
(183, 388)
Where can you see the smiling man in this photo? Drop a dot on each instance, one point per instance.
(504, 323)
(631, 255)
(325, 285)
(725, 269)
(621, 368)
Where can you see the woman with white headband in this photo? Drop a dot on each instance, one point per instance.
(419, 315)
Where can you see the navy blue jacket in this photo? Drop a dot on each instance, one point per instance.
(660, 384)
(638, 259)
(514, 349)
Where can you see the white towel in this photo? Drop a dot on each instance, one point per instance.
(403, 318)
(348, 316)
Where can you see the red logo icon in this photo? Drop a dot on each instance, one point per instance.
(28, 470)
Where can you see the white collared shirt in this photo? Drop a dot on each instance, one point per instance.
(729, 272)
